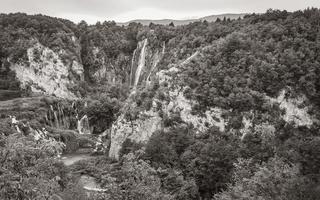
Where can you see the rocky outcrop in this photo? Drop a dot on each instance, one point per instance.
(146, 123)
(47, 73)
(180, 104)
(132, 70)
(138, 130)
(295, 110)
(105, 69)
(144, 62)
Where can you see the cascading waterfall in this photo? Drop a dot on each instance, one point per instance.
(56, 120)
(84, 126)
(188, 60)
(142, 62)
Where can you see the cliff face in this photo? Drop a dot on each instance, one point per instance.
(56, 72)
(133, 70)
(144, 62)
(138, 130)
(105, 70)
(45, 72)
(294, 109)
(174, 103)
(141, 128)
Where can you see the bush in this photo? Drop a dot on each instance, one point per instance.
(129, 146)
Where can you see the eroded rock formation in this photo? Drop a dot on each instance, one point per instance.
(47, 73)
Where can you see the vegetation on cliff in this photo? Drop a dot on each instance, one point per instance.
(238, 68)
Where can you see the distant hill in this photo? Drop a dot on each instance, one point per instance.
(210, 18)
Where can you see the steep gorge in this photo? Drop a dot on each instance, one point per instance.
(152, 106)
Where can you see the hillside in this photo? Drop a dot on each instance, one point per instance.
(215, 109)
(211, 18)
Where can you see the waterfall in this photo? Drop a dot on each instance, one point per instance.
(163, 48)
(142, 61)
(64, 120)
(188, 60)
(56, 120)
(57, 116)
(83, 125)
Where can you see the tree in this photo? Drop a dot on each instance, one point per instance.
(165, 147)
(275, 180)
(136, 180)
(160, 152)
(29, 171)
(210, 163)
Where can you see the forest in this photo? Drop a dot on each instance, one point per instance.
(239, 67)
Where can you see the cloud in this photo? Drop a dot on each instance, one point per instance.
(120, 10)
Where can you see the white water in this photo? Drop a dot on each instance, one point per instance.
(55, 116)
(88, 183)
(188, 60)
(84, 126)
(70, 159)
(142, 62)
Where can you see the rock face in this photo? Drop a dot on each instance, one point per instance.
(47, 73)
(212, 117)
(175, 103)
(147, 122)
(144, 62)
(133, 70)
(139, 130)
(295, 112)
(106, 70)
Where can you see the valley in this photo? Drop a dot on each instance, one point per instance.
(223, 109)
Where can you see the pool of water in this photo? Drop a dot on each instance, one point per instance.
(86, 181)
(70, 159)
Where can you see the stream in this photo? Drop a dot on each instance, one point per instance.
(70, 159)
(89, 183)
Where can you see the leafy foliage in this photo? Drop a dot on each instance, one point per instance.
(29, 171)
(241, 63)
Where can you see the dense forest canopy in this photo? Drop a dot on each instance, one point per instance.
(240, 66)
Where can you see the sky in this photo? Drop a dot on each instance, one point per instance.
(126, 10)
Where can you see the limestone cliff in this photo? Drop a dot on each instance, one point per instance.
(175, 103)
(294, 109)
(46, 72)
(147, 122)
(144, 62)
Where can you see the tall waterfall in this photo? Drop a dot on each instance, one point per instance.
(56, 116)
(142, 62)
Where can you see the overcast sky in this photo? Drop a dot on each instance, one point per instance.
(125, 10)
